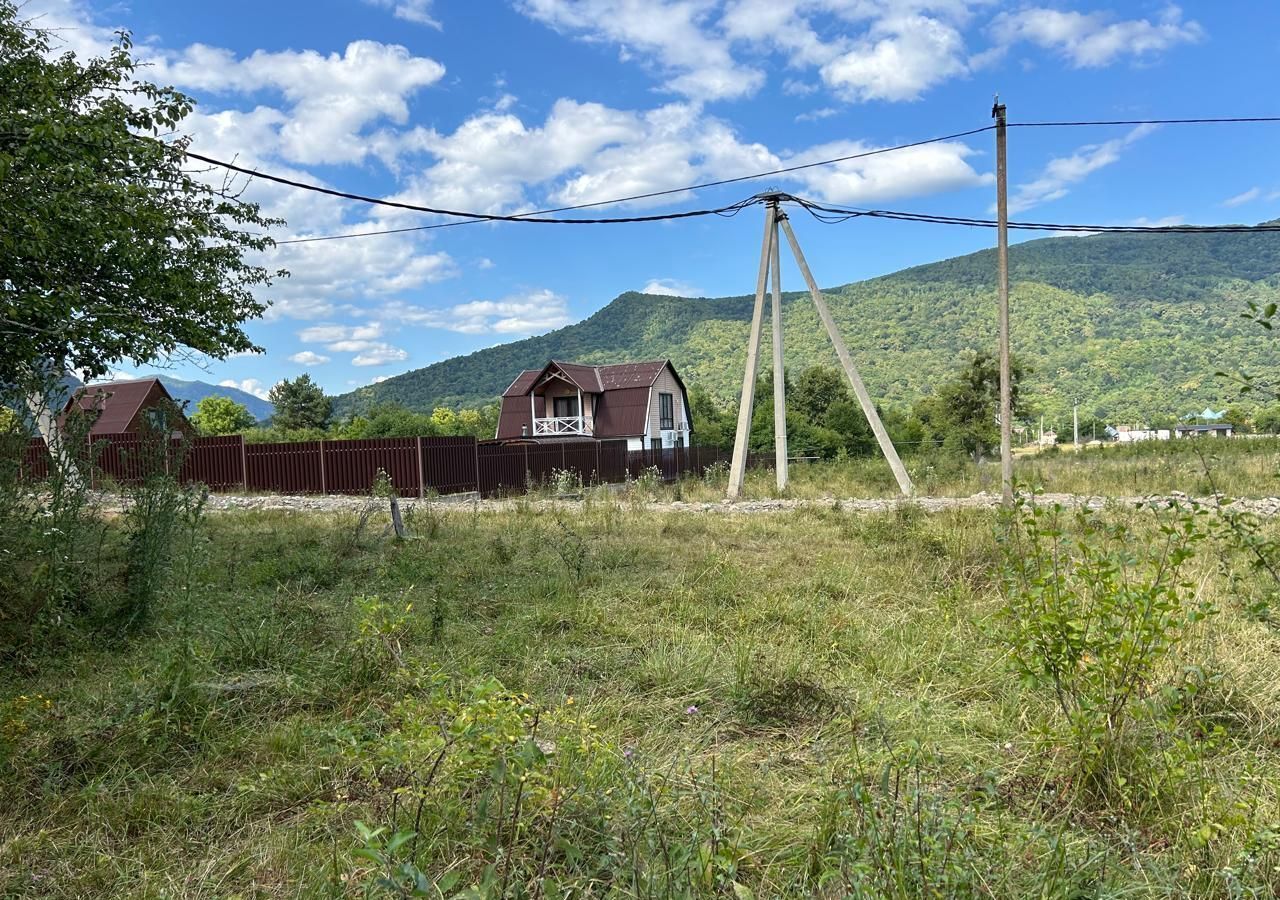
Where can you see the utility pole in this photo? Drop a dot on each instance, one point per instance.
(779, 373)
(1002, 288)
(1075, 423)
(742, 437)
(769, 256)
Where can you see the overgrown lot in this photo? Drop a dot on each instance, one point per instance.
(620, 702)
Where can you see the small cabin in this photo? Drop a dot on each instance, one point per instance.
(644, 402)
(122, 407)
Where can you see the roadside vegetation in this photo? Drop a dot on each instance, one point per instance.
(605, 699)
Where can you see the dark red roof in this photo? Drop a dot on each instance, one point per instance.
(623, 412)
(119, 402)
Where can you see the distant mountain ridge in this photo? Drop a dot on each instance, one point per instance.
(194, 391)
(1130, 325)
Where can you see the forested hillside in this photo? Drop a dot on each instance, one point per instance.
(1133, 326)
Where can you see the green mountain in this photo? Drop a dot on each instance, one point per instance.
(1131, 325)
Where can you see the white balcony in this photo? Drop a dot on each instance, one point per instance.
(561, 425)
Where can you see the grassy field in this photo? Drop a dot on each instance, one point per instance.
(606, 700)
(1245, 467)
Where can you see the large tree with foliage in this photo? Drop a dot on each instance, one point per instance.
(964, 412)
(221, 415)
(113, 246)
(300, 404)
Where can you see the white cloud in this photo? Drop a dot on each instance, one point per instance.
(379, 355)
(308, 358)
(676, 35)
(930, 169)
(1062, 172)
(669, 287)
(901, 57)
(249, 386)
(529, 313)
(816, 115)
(1091, 40)
(418, 11)
(333, 97)
(1246, 197)
(328, 334)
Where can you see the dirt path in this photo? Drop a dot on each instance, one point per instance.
(1268, 506)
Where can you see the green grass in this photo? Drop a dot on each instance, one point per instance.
(1241, 467)
(806, 703)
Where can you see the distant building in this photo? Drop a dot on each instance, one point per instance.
(644, 402)
(1048, 438)
(121, 407)
(1217, 429)
(1128, 434)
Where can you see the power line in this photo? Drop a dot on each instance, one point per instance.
(537, 215)
(835, 214)
(1223, 120)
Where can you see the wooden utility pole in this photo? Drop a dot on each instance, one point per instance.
(1002, 287)
(779, 372)
(846, 362)
(1075, 424)
(742, 437)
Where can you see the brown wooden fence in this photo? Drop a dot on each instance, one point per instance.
(416, 465)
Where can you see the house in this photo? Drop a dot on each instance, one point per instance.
(1217, 429)
(644, 402)
(121, 407)
(1128, 434)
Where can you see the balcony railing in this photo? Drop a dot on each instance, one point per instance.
(560, 425)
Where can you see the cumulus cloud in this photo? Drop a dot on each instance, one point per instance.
(333, 96)
(930, 169)
(669, 287)
(308, 358)
(673, 35)
(249, 386)
(1062, 172)
(1091, 40)
(900, 58)
(329, 334)
(379, 355)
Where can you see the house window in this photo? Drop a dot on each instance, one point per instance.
(655, 443)
(565, 407)
(666, 411)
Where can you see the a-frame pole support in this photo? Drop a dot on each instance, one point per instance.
(855, 381)
(742, 437)
(779, 372)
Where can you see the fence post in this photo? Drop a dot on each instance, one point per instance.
(244, 464)
(422, 488)
(323, 487)
(475, 452)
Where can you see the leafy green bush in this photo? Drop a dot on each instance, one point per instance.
(1096, 613)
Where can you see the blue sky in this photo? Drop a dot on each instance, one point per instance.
(508, 107)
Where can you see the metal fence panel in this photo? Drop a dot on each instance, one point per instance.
(286, 468)
(216, 462)
(583, 457)
(504, 468)
(351, 467)
(450, 464)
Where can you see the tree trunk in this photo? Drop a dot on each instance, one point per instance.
(38, 403)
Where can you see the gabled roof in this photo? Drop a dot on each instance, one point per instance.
(118, 401)
(591, 379)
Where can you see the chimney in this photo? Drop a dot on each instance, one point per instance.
(524, 431)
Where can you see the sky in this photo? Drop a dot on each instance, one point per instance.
(507, 107)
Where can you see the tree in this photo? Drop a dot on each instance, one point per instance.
(222, 415)
(300, 404)
(113, 247)
(964, 412)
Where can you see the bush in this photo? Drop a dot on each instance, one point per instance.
(1095, 612)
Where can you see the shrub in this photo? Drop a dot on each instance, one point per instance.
(1094, 610)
